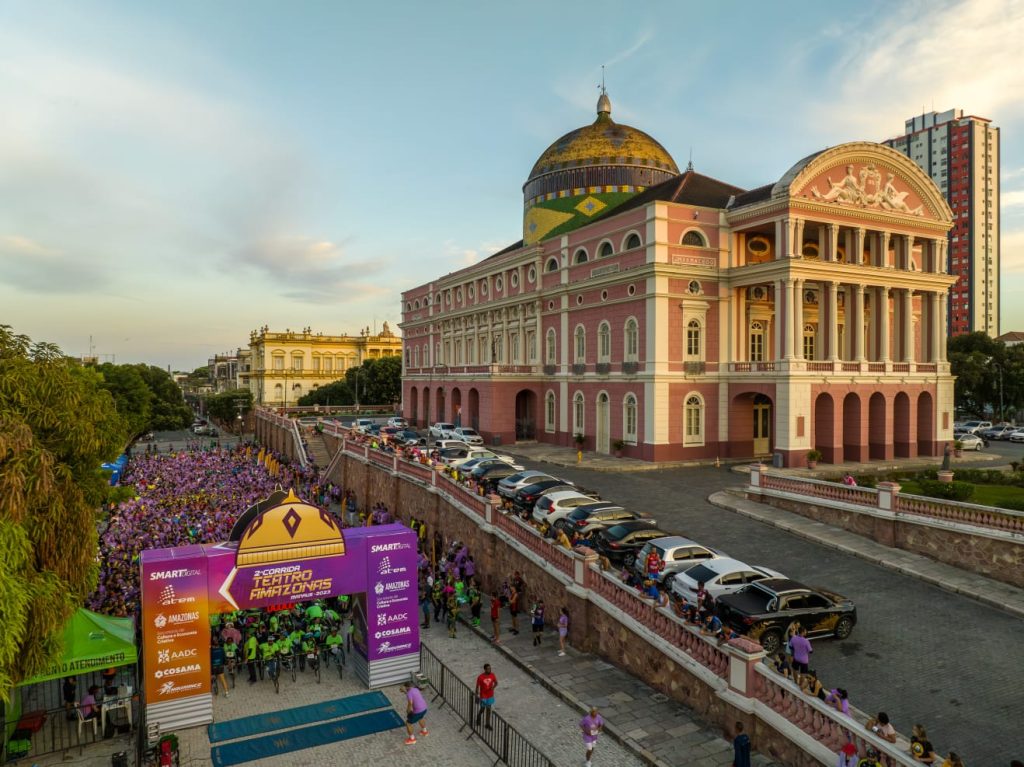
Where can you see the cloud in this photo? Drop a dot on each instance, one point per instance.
(642, 39)
(920, 54)
(1012, 199)
(309, 269)
(31, 266)
(1011, 252)
(463, 255)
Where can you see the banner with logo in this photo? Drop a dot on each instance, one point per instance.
(175, 623)
(392, 618)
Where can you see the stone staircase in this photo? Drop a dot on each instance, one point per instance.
(318, 451)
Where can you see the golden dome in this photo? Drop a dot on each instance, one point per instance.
(289, 531)
(604, 142)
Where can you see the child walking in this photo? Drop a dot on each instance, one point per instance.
(537, 621)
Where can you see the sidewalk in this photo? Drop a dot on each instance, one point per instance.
(644, 726)
(977, 587)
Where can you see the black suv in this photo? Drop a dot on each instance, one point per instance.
(597, 516)
(765, 610)
(621, 542)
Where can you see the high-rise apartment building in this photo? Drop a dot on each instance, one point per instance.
(961, 154)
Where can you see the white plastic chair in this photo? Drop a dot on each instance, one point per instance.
(83, 722)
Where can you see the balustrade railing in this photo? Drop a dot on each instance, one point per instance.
(863, 496)
(964, 513)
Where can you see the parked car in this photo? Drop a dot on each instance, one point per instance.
(362, 424)
(1017, 436)
(598, 516)
(410, 438)
(971, 442)
(494, 472)
(676, 554)
(720, 576)
(455, 456)
(526, 496)
(398, 422)
(1000, 432)
(554, 506)
(442, 430)
(620, 543)
(472, 463)
(975, 426)
(508, 487)
(444, 444)
(467, 435)
(765, 610)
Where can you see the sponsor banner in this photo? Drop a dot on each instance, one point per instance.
(175, 623)
(392, 618)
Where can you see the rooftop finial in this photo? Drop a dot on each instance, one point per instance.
(689, 165)
(604, 104)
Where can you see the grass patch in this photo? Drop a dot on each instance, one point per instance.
(984, 495)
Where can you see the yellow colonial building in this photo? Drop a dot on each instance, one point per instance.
(288, 365)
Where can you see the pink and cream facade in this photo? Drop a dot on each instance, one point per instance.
(697, 320)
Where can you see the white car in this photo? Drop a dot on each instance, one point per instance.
(555, 506)
(362, 424)
(460, 454)
(676, 554)
(444, 444)
(442, 430)
(719, 576)
(1017, 436)
(467, 435)
(398, 422)
(975, 426)
(971, 442)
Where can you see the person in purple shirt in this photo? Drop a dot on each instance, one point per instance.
(415, 711)
(88, 706)
(801, 648)
(591, 726)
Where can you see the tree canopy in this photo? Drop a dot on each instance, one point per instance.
(334, 393)
(146, 397)
(58, 423)
(379, 383)
(989, 373)
(225, 406)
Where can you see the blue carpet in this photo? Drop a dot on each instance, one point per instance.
(295, 717)
(307, 737)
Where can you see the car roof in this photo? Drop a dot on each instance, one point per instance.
(632, 525)
(560, 495)
(672, 541)
(725, 565)
(549, 482)
(782, 585)
(599, 506)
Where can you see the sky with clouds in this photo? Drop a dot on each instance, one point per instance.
(174, 175)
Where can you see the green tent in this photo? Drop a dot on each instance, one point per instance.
(92, 642)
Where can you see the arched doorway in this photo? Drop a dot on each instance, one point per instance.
(457, 407)
(603, 424)
(901, 425)
(878, 428)
(526, 415)
(825, 428)
(925, 424)
(426, 406)
(762, 425)
(853, 447)
(439, 410)
(414, 400)
(474, 409)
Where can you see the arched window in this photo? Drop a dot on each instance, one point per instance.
(581, 345)
(551, 265)
(629, 419)
(426, 355)
(693, 340)
(693, 433)
(605, 250)
(632, 241)
(695, 239)
(580, 257)
(415, 356)
(577, 413)
(756, 342)
(549, 412)
(809, 342)
(437, 354)
(604, 342)
(632, 341)
(278, 392)
(551, 348)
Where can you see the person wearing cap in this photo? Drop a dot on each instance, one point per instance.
(230, 634)
(591, 726)
(847, 756)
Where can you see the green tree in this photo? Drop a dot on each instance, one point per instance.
(334, 393)
(380, 380)
(132, 396)
(224, 406)
(168, 408)
(58, 423)
(976, 360)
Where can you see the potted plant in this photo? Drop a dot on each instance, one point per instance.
(617, 445)
(813, 456)
(578, 439)
(958, 448)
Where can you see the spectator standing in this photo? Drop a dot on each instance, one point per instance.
(486, 683)
(415, 712)
(847, 756)
(563, 629)
(70, 692)
(496, 617)
(591, 726)
(921, 748)
(250, 655)
(801, 651)
(740, 747)
(217, 661)
(513, 607)
(230, 634)
(537, 621)
(879, 724)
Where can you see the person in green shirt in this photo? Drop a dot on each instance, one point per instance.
(269, 652)
(309, 650)
(315, 610)
(251, 645)
(273, 623)
(331, 616)
(335, 646)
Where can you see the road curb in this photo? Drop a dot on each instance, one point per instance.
(728, 500)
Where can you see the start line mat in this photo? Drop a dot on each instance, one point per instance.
(295, 717)
(307, 737)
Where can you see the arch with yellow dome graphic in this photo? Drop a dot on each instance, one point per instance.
(283, 551)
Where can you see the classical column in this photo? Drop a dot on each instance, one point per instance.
(881, 309)
(858, 247)
(777, 321)
(935, 321)
(857, 326)
(780, 236)
(883, 258)
(787, 326)
(907, 322)
(798, 239)
(833, 321)
(943, 313)
(833, 241)
(798, 319)
(939, 246)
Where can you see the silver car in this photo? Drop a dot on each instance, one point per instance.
(676, 554)
(507, 487)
